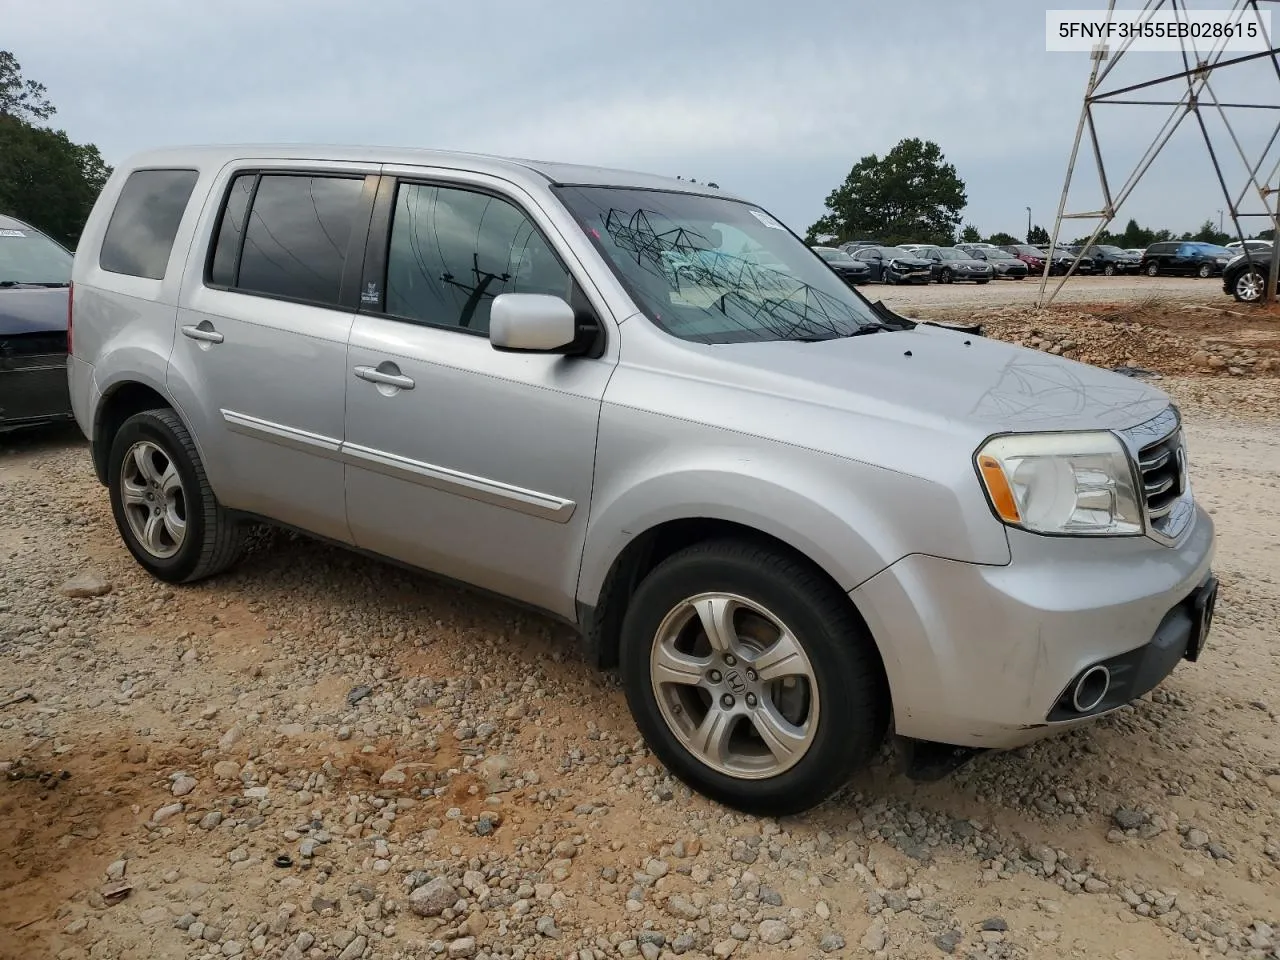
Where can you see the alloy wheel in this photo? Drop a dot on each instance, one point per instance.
(734, 685)
(155, 504)
(1249, 286)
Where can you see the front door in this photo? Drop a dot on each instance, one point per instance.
(473, 463)
(261, 349)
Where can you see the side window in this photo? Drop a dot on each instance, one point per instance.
(452, 251)
(145, 221)
(295, 242)
(226, 250)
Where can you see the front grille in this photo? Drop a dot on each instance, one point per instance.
(1163, 469)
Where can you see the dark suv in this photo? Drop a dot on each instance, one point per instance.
(1187, 257)
(1110, 260)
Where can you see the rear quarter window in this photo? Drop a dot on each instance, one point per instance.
(143, 226)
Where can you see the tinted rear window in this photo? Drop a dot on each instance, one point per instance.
(295, 242)
(145, 221)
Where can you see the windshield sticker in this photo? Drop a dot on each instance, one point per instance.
(767, 220)
(12, 233)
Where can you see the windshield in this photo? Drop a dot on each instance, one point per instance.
(991, 254)
(715, 270)
(947, 253)
(30, 257)
(1105, 248)
(1027, 250)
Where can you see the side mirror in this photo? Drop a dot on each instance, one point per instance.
(532, 322)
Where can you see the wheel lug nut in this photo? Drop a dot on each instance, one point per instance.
(751, 699)
(714, 676)
(726, 701)
(730, 660)
(752, 676)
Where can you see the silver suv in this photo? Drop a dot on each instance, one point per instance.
(793, 519)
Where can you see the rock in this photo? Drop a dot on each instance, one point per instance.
(432, 898)
(211, 820)
(395, 775)
(889, 875)
(357, 694)
(226, 770)
(1273, 784)
(115, 870)
(773, 932)
(183, 785)
(948, 940)
(547, 927)
(462, 947)
(682, 909)
(154, 915)
(876, 937)
(656, 868)
(1216, 363)
(683, 943)
(232, 948)
(831, 942)
(167, 812)
(1197, 838)
(771, 898)
(85, 584)
(724, 948)
(229, 739)
(996, 924)
(1127, 819)
(1094, 885)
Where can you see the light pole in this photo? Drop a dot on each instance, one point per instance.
(1219, 221)
(1028, 224)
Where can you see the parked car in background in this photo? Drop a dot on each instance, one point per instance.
(1185, 257)
(1245, 276)
(895, 265)
(1138, 252)
(1033, 257)
(1063, 257)
(850, 270)
(1004, 264)
(1110, 260)
(35, 280)
(852, 246)
(793, 523)
(950, 264)
(1237, 246)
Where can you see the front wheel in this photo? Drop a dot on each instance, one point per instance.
(163, 505)
(751, 677)
(946, 277)
(1109, 270)
(1249, 286)
(1152, 269)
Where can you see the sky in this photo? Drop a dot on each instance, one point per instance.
(773, 101)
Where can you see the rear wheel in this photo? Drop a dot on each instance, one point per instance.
(751, 677)
(163, 505)
(1205, 271)
(1152, 269)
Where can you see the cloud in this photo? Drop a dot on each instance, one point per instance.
(773, 101)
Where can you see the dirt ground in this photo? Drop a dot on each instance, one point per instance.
(447, 777)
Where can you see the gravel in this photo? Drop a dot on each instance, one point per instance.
(440, 775)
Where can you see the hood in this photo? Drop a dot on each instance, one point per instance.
(948, 381)
(910, 261)
(32, 310)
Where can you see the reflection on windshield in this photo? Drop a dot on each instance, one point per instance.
(716, 270)
(30, 257)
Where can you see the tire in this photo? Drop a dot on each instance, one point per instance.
(1109, 270)
(1020, 276)
(1249, 286)
(1205, 271)
(981, 282)
(211, 539)
(852, 703)
(1152, 269)
(946, 276)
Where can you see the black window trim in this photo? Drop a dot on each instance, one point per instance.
(116, 207)
(377, 255)
(353, 260)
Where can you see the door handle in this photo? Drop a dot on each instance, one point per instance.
(205, 333)
(373, 375)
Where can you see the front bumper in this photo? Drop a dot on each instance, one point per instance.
(981, 656)
(33, 390)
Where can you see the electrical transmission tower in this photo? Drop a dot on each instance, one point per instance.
(1197, 97)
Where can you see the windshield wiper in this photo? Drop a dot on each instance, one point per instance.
(861, 331)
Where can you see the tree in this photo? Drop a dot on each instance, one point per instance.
(1038, 235)
(24, 99)
(1002, 239)
(912, 194)
(46, 179)
(970, 234)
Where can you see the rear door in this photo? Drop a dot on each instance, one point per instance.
(260, 361)
(470, 462)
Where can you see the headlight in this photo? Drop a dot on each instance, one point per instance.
(1078, 484)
